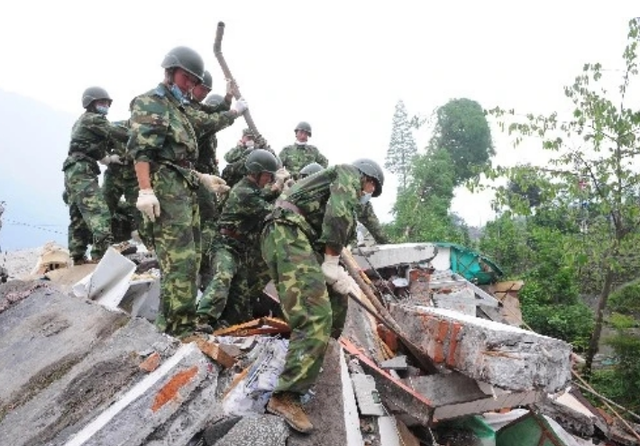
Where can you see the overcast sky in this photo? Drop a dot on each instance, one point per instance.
(340, 65)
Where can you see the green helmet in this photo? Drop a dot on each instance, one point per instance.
(305, 126)
(260, 160)
(185, 58)
(94, 94)
(207, 80)
(310, 169)
(214, 100)
(371, 169)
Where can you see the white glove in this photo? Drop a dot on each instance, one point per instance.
(148, 204)
(109, 159)
(213, 183)
(345, 284)
(239, 106)
(331, 269)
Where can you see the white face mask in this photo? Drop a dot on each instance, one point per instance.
(102, 109)
(364, 199)
(301, 143)
(249, 144)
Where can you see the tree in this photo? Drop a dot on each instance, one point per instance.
(422, 208)
(592, 151)
(462, 130)
(402, 147)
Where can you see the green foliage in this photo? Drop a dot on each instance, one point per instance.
(505, 241)
(626, 300)
(463, 131)
(402, 146)
(591, 177)
(422, 208)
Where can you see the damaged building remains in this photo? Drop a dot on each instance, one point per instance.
(433, 353)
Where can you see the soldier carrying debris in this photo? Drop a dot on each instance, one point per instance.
(236, 258)
(313, 220)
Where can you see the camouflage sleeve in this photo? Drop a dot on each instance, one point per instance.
(149, 124)
(204, 122)
(340, 210)
(234, 154)
(221, 107)
(369, 220)
(100, 125)
(321, 159)
(283, 155)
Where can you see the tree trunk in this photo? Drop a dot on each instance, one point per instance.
(597, 329)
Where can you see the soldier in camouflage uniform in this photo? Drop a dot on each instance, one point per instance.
(366, 215)
(163, 144)
(207, 162)
(301, 244)
(119, 180)
(91, 136)
(228, 297)
(299, 154)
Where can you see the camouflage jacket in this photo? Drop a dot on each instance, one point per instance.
(245, 209)
(92, 136)
(369, 220)
(164, 130)
(235, 170)
(295, 157)
(328, 202)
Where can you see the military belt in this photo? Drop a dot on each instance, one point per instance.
(184, 164)
(289, 206)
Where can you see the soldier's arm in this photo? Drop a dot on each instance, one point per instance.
(369, 219)
(234, 154)
(340, 210)
(100, 125)
(204, 122)
(321, 159)
(148, 129)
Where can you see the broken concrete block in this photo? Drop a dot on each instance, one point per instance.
(396, 395)
(463, 301)
(499, 354)
(455, 395)
(75, 379)
(380, 256)
(142, 299)
(367, 396)
(396, 363)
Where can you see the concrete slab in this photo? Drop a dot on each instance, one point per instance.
(380, 256)
(498, 354)
(454, 395)
(71, 376)
(265, 430)
(368, 398)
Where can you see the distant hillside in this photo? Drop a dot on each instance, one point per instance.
(33, 145)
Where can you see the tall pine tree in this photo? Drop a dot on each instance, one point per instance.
(402, 147)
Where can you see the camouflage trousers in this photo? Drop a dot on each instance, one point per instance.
(239, 277)
(313, 313)
(119, 181)
(176, 235)
(208, 202)
(90, 219)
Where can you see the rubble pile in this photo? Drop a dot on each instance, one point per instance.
(83, 364)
